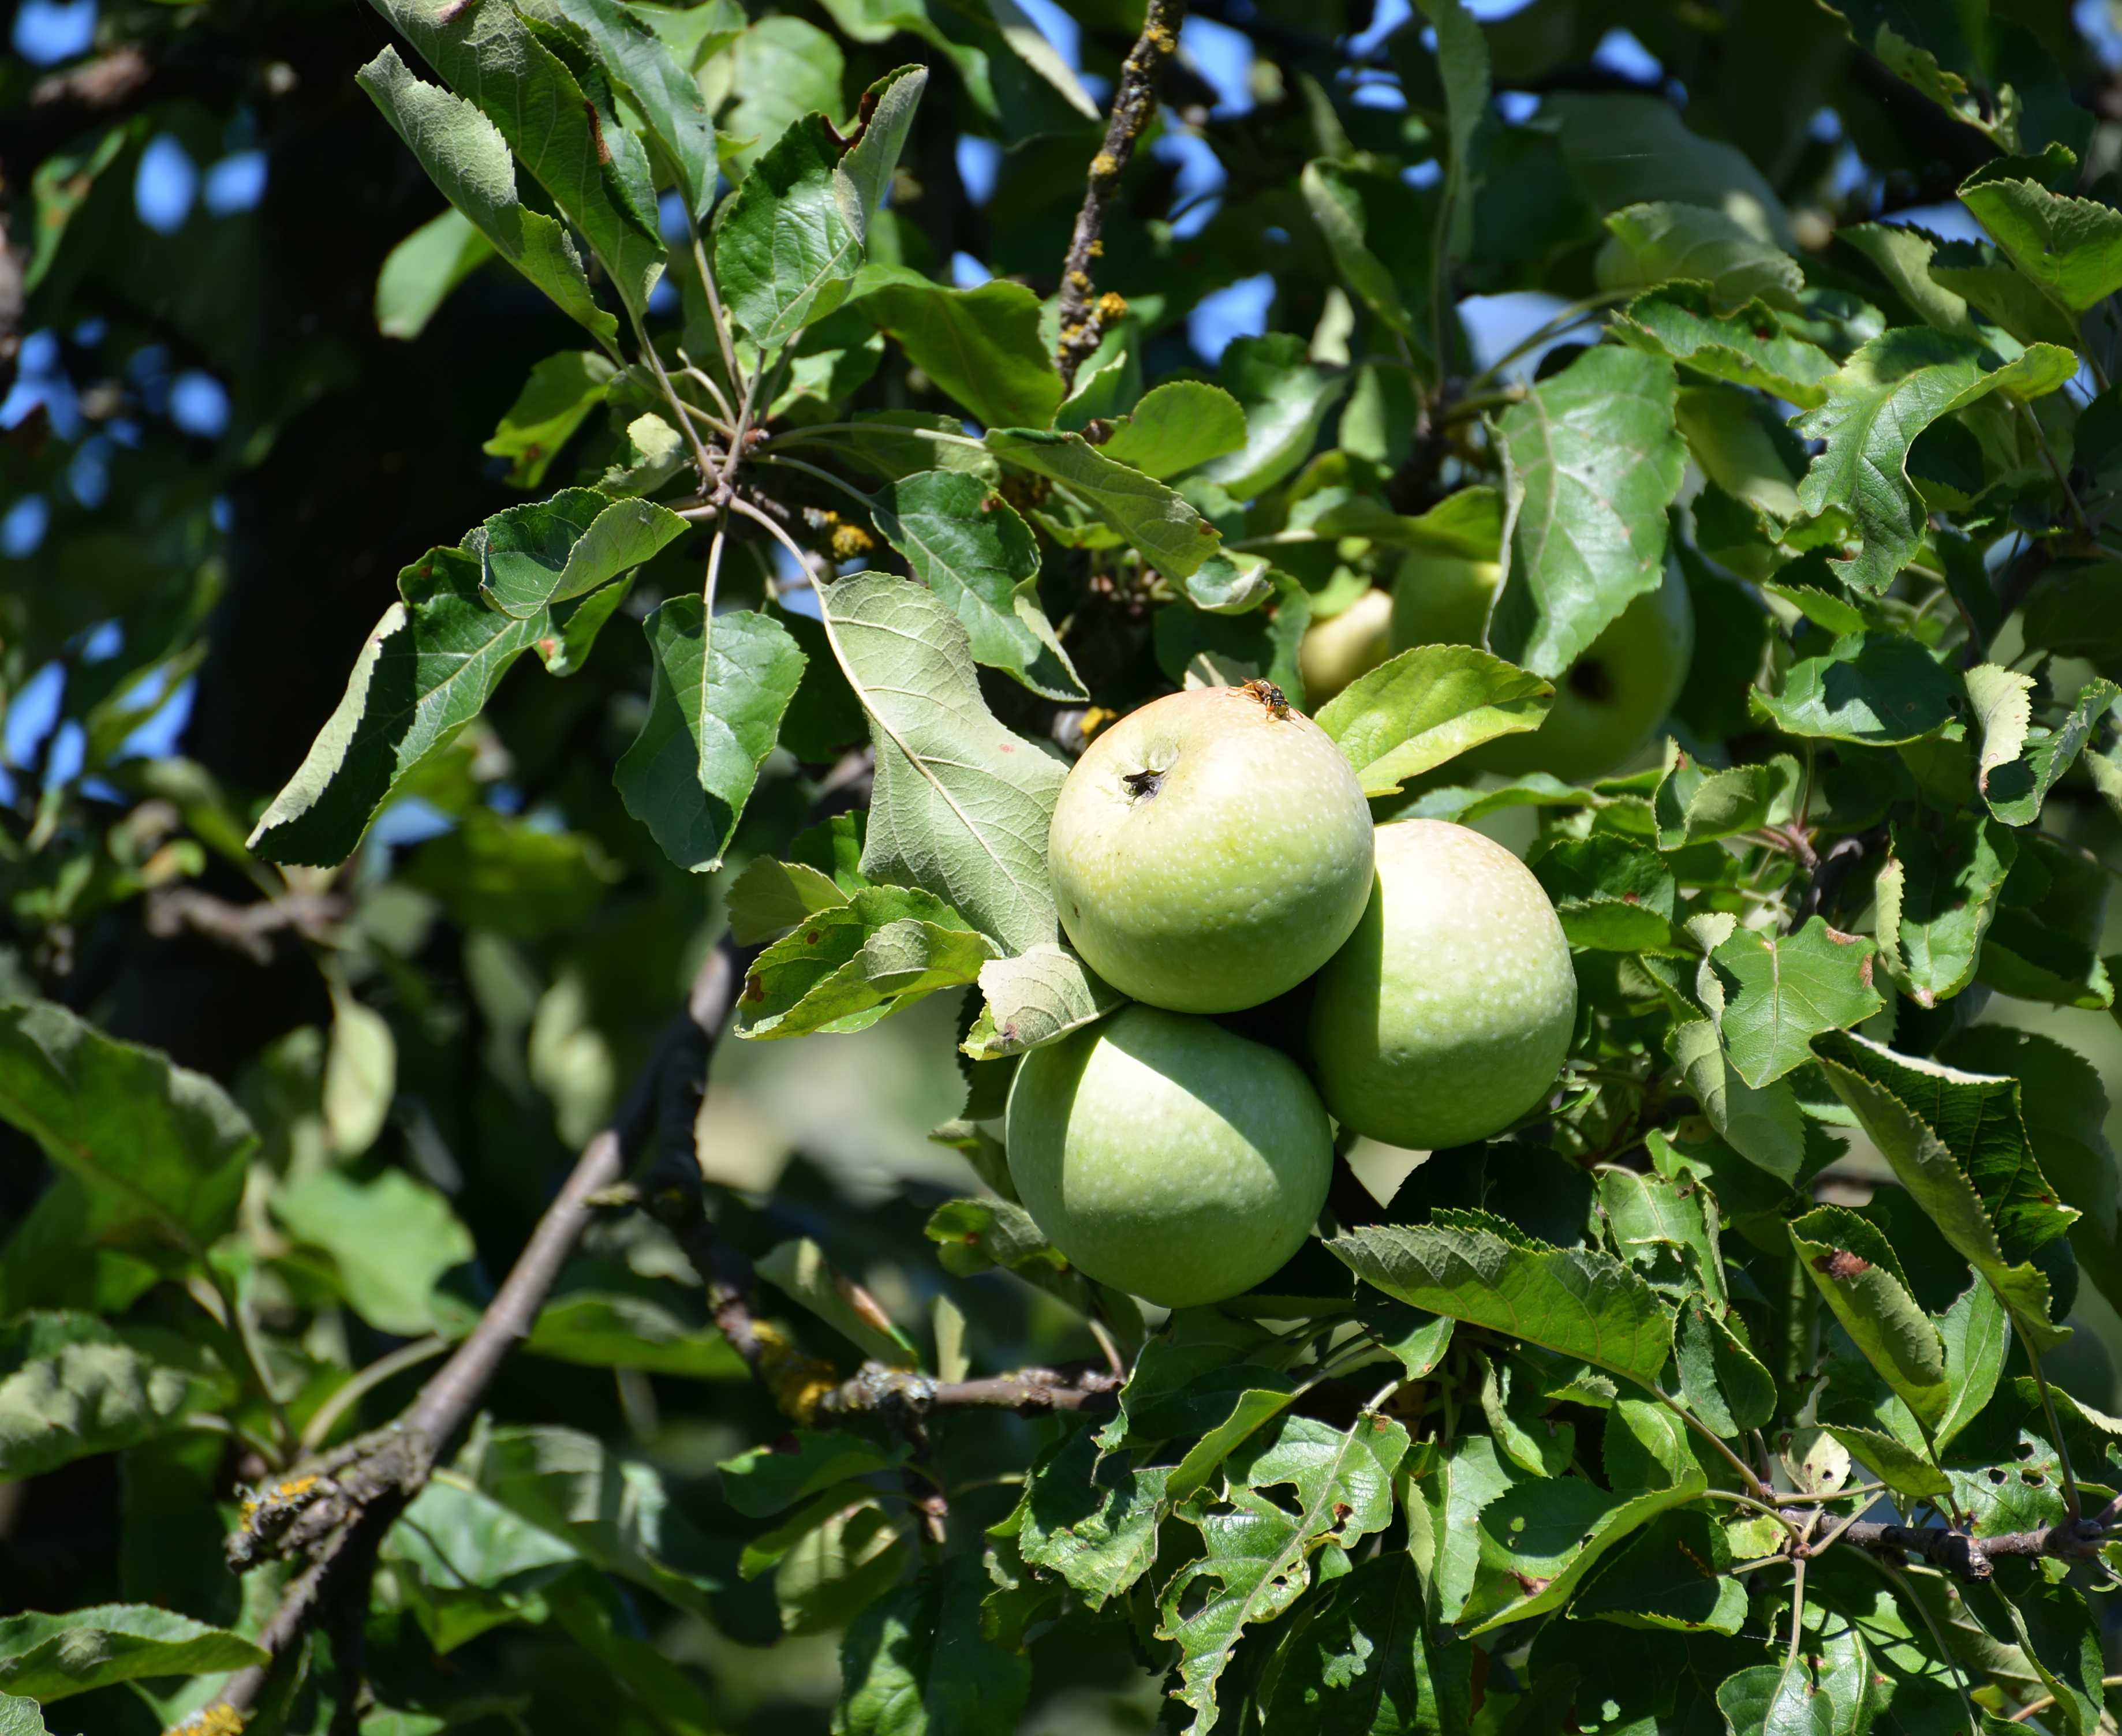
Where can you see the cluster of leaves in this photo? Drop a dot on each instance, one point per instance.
(1633, 1368)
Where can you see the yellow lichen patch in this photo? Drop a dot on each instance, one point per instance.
(798, 1382)
(1112, 305)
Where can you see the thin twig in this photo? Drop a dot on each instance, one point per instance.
(318, 1430)
(333, 1512)
(1134, 103)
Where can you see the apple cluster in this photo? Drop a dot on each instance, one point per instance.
(1209, 854)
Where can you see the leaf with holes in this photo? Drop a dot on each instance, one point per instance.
(1258, 1551)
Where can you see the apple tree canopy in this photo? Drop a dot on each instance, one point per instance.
(555, 557)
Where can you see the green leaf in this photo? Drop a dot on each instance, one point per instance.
(768, 1480)
(1091, 1517)
(71, 1385)
(1903, 252)
(1576, 1301)
(1775, 1700)
(496, 873)
(1257, 1555)
(1746, 346)
(663, 93)
(1361, 1661)
(1876, 404)
(466, 155)
(419, 273)
(1781, 993)
(1878, 690)
(1655, 243)
(1853, 1266)
(1977, 1337)
(786, 248)
(1895, 1464)
(1672, 1576)
(1992, 284)
(1172, 535)
(1632, 150)
(565, 653)
(770, 898)
(982, 346)
(1766, 1128)
(561, 391)
(800, 1271)
(917, 1663)
(19, 1717)
(1594, 461)
(2002, 711)
(157, 1151)
(2071, 247)
(1694, 803)
(2016, 785)
(966, 544)
(613, 1513)
(1285, 398)
(1956, 1143)
(427, 668)
(1035, 998)
(1426, 705)
(2060, 1636)
(1338, 210)
(1722, 1381)
(974, 1235)
(1544, 1537)
(594, 168)
(715, 706)
(453, 1537)
(1936, 895)
(1611, 894)
(2050, 915)
(1467, 1480)
(390, 1239)
(598, 1329)
(1177, 427)
(962, 805)
(1462, 61)
(848, 965)
(47, 1658)
(548, 551)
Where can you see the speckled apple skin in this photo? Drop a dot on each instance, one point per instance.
(1236, 879)
(1448, 1012)
(1168, 1157)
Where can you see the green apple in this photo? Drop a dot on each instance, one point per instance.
(1342, 646)
(1610, 701)
(1442, 600)
(1168, 1157)
(1446, 1015)
(1211, 850)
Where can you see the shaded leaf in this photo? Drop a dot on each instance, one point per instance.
(419, 273)
(2071, 247)
(1853, 1266)
(552, 550)
(716, 701)
(1876, 689)
(767, 1480)
(1609, 893)
(1545, 1537)
(1694, 803)
(1172, 535)
(1365, 1663)
(599, 1329)
(850, 964)
(982, 346)
(1285, 399)
(390, 1239)
(1876, 405)
(917, 1663)
(1091, 1517)
(1035, 998)
(1746, 346)
(47, 1658)
(71, 1385)
(1576, 1301)
(1936, 895)
(787, 246)
(1656, 243)
(466, 155)
(800, 1270)
(428, 667)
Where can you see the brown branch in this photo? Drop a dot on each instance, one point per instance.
(332, 1512)
(1035, 1392)
(1971, 1558)
(1134, 103)
(241, 927)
